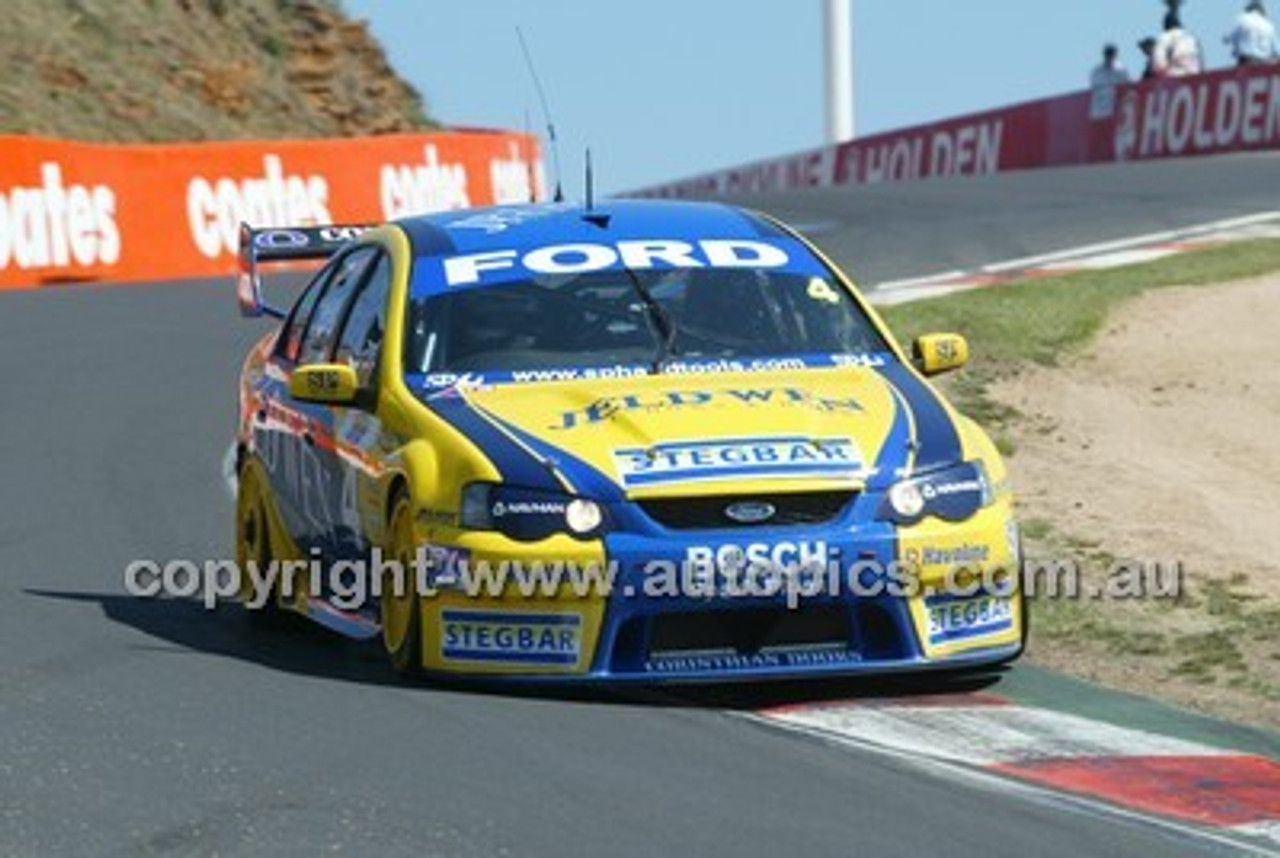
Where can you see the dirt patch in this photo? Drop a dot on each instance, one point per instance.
(1162, 443)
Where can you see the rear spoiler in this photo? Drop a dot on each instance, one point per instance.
(286, 244)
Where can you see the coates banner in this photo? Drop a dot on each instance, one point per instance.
(1226, 111)
(78, 211)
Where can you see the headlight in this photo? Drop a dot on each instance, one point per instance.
(475, 507)
(527, 515)
(583, 516)
(952, 494)
(906, 499)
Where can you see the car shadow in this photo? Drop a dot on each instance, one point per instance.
(294, 645)
(291, 645)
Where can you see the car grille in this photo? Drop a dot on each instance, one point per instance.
(871, 629)
(708, 513)
(749, 631)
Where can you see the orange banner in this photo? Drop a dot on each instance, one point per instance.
(79, 211)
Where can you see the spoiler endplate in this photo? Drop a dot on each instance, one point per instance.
(283, 244)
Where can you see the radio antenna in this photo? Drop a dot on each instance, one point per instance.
(546, 113)
(591, 216)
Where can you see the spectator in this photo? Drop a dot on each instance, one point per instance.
(1253, 41)
(1148, 48)
(1103, 83)
(1177, 52)
(1112, 72)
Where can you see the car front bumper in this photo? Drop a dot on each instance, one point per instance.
(861, 599)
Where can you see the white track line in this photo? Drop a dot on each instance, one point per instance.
(1164, 237)
(1135, 256)
(891, 285)
(917, 293)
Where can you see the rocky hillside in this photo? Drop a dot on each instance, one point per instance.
(196, 70)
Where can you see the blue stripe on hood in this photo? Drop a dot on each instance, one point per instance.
(895, 450)
(516, 465)
(936, 436)
(584, 479)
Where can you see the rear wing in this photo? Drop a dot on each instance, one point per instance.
(287, 244)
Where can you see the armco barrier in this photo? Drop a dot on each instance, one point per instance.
(79, 211)
(1227, 111)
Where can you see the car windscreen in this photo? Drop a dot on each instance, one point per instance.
(621, 318)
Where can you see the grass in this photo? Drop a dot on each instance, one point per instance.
(1042, 320)
(1206, 653)
(1036, 528)
(1221, 600)
(1264, 626)
(1058, 620)
(1255, 686)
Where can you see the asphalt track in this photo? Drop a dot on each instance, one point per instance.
(155, 727)
(893, 231)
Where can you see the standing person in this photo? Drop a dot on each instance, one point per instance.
(1253, 40)
(1103, 82)
(1177, 52)
(1148, 48)
(1111, 72)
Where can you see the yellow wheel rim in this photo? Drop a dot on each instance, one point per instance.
(252, 541)
(398, 602)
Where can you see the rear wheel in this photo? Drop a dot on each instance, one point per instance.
(401, 607)
(253, 544)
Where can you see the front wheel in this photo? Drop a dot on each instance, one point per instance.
(401, 607)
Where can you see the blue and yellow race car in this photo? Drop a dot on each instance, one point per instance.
(636, 441)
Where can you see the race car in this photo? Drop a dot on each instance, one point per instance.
(640, 440)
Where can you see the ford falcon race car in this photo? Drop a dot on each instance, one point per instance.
(641, 441)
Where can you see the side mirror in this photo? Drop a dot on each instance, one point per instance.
(935, 354)
(328, 383)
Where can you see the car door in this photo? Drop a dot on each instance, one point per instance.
(276, 426)
(302, 466)
(359, 437)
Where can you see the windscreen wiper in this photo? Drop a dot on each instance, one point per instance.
(662, 321)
